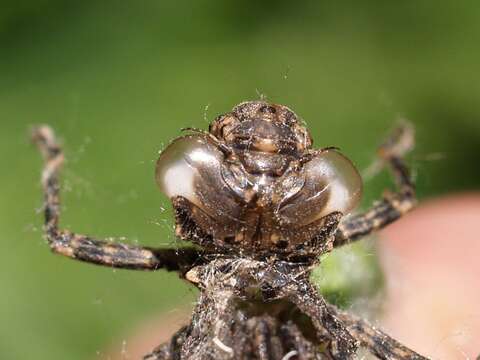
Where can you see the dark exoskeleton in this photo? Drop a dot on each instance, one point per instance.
(261, 206)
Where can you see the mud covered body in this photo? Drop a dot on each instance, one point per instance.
(261, 205)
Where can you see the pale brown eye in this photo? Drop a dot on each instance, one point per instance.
(343, 184)
(328, 183)
(180, 164)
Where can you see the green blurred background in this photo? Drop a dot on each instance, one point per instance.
(118, 79)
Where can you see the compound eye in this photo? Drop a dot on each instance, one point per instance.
(331, 184)
(342, 183)
(182, 163)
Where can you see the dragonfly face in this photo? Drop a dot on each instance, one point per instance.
(254, 184)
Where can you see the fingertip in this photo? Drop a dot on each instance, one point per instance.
(430, 259)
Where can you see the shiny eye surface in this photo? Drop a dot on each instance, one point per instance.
(342, 181)
(331, 184)
(181, 164)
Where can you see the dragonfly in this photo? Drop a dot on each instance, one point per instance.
(260, 206)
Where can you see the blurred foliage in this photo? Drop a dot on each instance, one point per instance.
(351, 276)
(118, 79)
